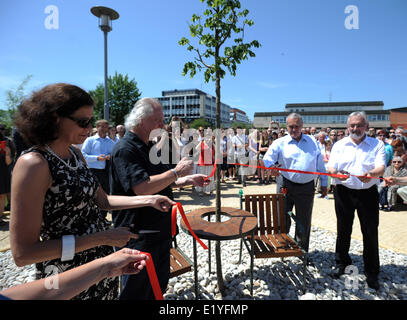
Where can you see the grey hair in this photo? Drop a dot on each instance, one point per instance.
(141, 110)
(358, 114)
(295, 116)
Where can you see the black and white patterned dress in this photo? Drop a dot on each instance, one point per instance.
(70, 208)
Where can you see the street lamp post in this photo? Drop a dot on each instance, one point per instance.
(105, 15)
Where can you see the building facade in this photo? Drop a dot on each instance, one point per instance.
(398, 117)
(237, 115)
(327, 114)
(191, 104)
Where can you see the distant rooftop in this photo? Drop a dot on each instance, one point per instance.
(181, 92)
(335, 104)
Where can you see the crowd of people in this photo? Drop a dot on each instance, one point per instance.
(68, 171)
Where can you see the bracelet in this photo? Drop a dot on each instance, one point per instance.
(68, 247)
(175, 173)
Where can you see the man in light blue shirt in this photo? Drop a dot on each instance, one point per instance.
(298, 151)
(96, 150)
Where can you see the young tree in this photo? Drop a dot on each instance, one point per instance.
(123, 93)
(220, 21)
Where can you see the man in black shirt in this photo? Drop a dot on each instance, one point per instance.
(133, 173)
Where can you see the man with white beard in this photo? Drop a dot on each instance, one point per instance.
(365, 157)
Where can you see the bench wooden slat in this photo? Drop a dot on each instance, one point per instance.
(178, 264)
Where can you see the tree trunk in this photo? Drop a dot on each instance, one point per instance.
(219, 274)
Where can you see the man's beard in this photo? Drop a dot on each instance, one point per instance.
(356, 136)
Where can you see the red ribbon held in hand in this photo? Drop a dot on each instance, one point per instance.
(178, 206)
(152, 275)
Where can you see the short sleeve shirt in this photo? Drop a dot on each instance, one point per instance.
(131, 166)
(357, 159)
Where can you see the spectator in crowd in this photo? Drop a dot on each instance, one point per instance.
(388, 194)
(134, 174)
(56, 200)
(382, 136)
(19, 142)
(231, 154)
(10, 144)
(399, 132)
(264, 145)
(341, 134)
(402, 181)
(254, 150)
(121, 130)
(224, 151)
(364, 156)
(112, 133)
(333, 136)
(72, 282)
(178, 143)
(206, 149)
(371, 133)
(5, 173)
(326, 154)
(97, 150)
(321, 140)
(240, 144)
(274, 136)
(398, 149)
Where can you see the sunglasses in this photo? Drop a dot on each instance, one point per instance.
(83, 122)
(397, 161)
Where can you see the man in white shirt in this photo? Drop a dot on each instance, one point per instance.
(364, 157)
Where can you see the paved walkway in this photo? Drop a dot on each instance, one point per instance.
(392, 226)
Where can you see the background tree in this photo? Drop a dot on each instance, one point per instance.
(221, 19)
(199, 123)
(123, 94)
(14, 97)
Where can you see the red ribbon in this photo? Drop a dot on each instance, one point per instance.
(178, 206)
(343, 176)
(340, 176)
(212, 173)
(152, 275)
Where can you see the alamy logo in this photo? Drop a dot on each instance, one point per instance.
(352, 20)
(352, 280)
(52, 20)
(51, 281)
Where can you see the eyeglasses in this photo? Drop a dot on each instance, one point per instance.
(397, 161)
(83, 122)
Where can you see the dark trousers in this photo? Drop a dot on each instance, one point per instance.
(365, 202)
(302, 197)
(138, 287)
(103, 177)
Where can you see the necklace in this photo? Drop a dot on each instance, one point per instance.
(47, 147)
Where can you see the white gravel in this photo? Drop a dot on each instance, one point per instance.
(273, 278)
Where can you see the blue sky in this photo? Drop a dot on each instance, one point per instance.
(307, 54)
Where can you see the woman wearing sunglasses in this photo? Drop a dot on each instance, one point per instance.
(56, 219)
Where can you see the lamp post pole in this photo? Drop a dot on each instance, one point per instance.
(106, 105)
(105, 15)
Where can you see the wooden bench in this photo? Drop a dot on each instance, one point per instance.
(179, 263)
(272, 239)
